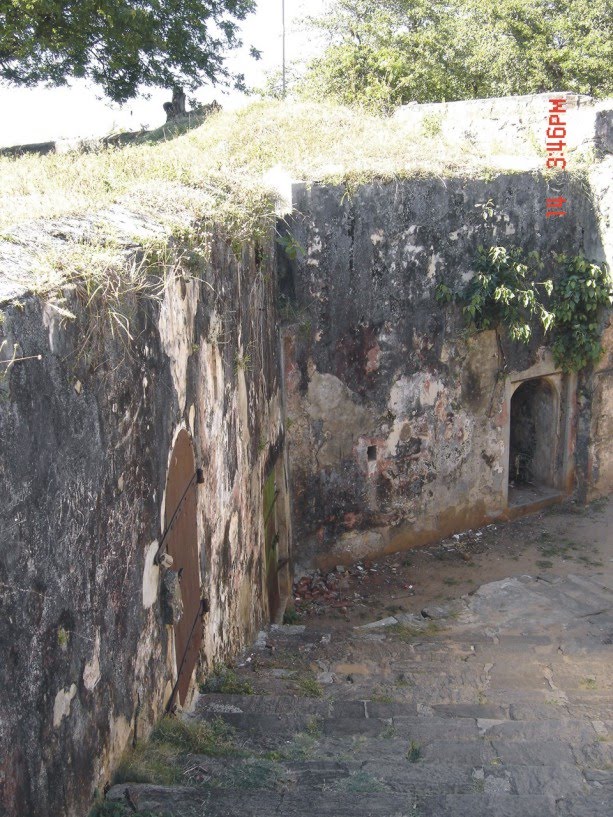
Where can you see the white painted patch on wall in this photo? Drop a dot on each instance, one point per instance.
(314, 248)
(91, 673)
(151, 576)
(243, 405)
(176, 323)
(61, 706)
(434, 260)
(233, 534)
(51, 322)
(192, 418)
(393, 439)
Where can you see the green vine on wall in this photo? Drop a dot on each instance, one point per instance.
(505, 293)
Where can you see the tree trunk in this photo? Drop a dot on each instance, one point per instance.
(176, 108)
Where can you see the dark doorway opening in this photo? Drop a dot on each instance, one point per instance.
(533, 439)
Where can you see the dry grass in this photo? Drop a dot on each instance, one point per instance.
(217, 169)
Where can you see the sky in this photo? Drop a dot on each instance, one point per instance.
(45, 114)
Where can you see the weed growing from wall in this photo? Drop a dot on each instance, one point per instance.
(505, 293)
(581, 295)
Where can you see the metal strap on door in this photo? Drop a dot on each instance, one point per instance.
(202, 611)
(198, 479)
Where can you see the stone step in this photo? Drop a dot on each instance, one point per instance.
(422, 728)
(577, 705)
(593, 805)
(424, 779)
(215, 704)
(194, 802)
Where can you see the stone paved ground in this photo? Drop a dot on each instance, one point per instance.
(498, 704)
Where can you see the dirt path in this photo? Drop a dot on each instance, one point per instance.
(567, 538)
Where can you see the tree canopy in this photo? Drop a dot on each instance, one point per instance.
(396, 51)
(120, 44)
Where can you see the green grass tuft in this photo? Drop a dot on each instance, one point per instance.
(157, 760)
(226, 682)
(414, 752)
(309, 687)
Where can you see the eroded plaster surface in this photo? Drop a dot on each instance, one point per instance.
(398, 418)
(87, 434)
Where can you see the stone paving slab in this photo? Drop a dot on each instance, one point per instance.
(214, 704)
(533, 753)
(399, 775)
(503, 711)
(595, 805)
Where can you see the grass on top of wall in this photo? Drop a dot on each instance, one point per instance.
(219, 168)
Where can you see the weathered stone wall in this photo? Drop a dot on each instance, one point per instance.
(599, 387)
(512, 130)
(86, 434)
(399, 421)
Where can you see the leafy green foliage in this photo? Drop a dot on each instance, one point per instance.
(580, 297)
(504, 294)
(120, 44)
(383, 54)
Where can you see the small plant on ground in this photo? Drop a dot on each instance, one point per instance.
(414, 752)
(405, 632)
(381, 697)
(309, 687)
(302, 747)
(313, 727)
(389, 732)
(358, 783)
(291, 616)
(256, 773)
(226, 682)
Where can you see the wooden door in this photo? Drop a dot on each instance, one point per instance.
(271, 540)
(182, 545)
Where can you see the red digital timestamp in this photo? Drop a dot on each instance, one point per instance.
(555, 144)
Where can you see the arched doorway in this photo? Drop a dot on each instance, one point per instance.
(533, 435)
(180, 522)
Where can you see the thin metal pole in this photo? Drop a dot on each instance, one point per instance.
(283, 37)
